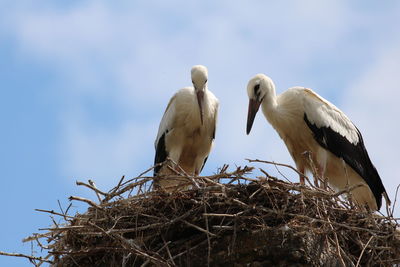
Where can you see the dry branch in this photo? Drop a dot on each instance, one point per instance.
(224, 216)
(31, 258)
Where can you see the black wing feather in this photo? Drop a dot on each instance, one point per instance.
(161, 154)
(204, 163)
(205, 160)
(356, 156)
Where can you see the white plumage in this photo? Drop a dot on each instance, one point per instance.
(187, 129)
(308, 123)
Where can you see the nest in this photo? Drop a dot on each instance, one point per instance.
(225, 219)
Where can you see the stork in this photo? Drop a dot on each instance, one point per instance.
(187, 130)
(308, 123)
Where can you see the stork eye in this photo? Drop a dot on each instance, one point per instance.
(206, 81)
(257, 90)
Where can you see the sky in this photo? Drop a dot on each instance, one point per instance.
(84, 85)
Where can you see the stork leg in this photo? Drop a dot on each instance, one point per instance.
(316, 178)
(301, 170)
(321, 176)
(323, 159)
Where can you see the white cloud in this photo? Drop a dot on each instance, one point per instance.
(90, 152)
(372, 103)
(135, 56)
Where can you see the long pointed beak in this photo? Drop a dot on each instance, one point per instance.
(254, 105)
(200, 98)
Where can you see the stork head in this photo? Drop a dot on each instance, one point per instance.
(199, 80)
(258, 88)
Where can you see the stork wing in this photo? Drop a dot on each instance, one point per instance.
(166, 125)
(215, 119)
(322, 113)
(333, 130)
(213, 131)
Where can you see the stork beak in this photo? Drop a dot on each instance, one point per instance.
(200, 98)
(254, 105)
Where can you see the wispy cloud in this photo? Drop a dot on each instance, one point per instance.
(135, 56)
(372, 102)
(91, 152)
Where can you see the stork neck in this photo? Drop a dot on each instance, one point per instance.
(270, 109)
(269, 102)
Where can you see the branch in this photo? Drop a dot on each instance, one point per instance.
(91, 186)
(362, 252)
(31, 258)
(279, 164)
(55, 213)
(88, 201)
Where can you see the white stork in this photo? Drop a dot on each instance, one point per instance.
(187, 129)
(308, 123)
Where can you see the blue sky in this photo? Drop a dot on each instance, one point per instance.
(84, 85)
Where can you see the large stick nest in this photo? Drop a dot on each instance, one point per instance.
(227, 218)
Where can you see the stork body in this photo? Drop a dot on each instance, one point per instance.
(308, 123)
(187, 130)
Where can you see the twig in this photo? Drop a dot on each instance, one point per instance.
(110, 194)
(36, 236)
(199, 228)
(151, 168)
(168, 251)
(126, 244)
(97, 191)
(91, 186)
(56, 213)
(255, 192)
(154, 225)
(395, 200)
(223, 227)
(88, 201)
(280, 164)
(208, 236)
(222, 215)
(32, 258)
(362, 252)
(336, 242)
(149, 260)
(65, 228)
(120, 182)
(127, 188)
(347, 190)
(269, 176)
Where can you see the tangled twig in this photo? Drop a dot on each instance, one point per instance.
(219, 212)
